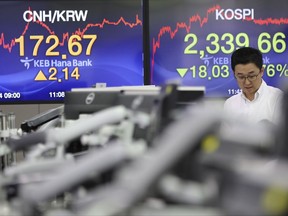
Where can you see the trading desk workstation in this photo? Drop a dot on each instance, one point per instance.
(141, 151)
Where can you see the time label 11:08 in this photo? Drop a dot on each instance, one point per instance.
(75, 47)
(227, 43)
(58, 94)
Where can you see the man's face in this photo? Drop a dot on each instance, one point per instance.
(249, 78)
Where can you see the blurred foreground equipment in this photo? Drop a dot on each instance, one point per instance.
(144, 155)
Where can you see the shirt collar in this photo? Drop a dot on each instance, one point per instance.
(259, 92)
(262, 88)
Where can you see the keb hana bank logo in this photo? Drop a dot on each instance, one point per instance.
(234, 14)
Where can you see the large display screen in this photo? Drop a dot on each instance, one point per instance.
(49, 47)
(192, 41)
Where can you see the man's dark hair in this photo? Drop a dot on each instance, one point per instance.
(246, 55)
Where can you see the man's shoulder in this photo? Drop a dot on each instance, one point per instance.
(232, 99)
(274, 91)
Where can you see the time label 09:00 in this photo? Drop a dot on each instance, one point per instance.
(10, 95)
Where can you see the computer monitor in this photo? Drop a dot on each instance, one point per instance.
(48, 47)
(185, 94)
(87, 102)
(192, 41)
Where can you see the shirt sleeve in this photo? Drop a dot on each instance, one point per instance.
(278, 109)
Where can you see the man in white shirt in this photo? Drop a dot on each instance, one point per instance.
(257, 102)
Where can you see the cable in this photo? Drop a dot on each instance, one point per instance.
(87, 167)
(62, 136)
(136, 179)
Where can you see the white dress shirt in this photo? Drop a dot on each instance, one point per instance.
(267, 105)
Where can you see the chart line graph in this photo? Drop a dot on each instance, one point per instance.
(65, 36)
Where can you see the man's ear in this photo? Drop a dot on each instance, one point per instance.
(262, 71)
